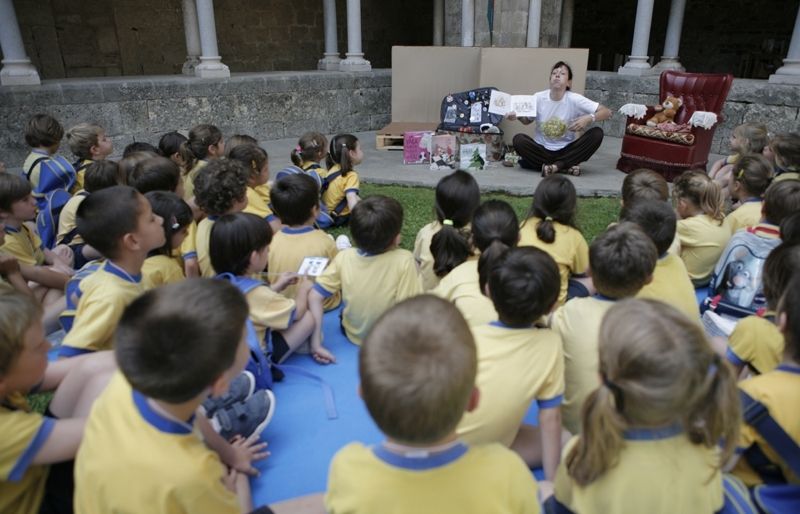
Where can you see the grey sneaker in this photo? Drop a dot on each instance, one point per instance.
(246, 418)
(240, 389)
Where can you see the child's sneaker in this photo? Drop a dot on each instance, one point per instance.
(343, 242)
(245, 418)
(240, 389)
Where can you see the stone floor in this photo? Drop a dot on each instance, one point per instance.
(600, 176)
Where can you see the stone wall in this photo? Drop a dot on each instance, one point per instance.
(95, 38)
(266, 106)
(510, 23)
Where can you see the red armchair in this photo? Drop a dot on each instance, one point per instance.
(699, 92)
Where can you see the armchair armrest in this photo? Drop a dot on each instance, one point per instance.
(637, 113)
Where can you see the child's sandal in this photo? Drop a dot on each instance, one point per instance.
(549, 169)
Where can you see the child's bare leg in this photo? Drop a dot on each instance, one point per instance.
(528, 444)
(300, 332)
(311, 504)
(51, 313)
(79, 381)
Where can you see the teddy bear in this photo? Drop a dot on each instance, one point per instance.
(666, 111)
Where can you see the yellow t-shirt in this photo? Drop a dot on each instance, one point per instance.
(370, 284)
(288, 249)
(747, 215)
(658, 472)
(24, 244)
(787, 175)
(104, 296)
(569, 250)
(24, 433)
(202, 241)
(188, 183)
(189, 245)
(133, 458)
(256, 205)
(338, 189)
(756, 342)
(80, 172)
(779, 391)
(702, 241)
(67, 220)
(263, 193)
(269, 310)
(515, 366)
(479, 480)
(671, 285)
(462, 287)
(160, 270)
(578, 324)
(423, 255)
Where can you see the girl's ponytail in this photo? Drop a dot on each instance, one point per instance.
(545, 230)
(295, 156)
(187, 155)
(491, 257)
(555, 200)
(450, 247)
(339, 152)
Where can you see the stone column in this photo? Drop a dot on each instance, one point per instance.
(567, 17)
(17, 68)
(789, 73)
(210, 62)
(331, 60)
(354, 58)
(438, 22)
(637, 62)
(192, 32)
(467, 22)
(534, 23)
(669, 61)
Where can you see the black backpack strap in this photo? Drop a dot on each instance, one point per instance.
(326, 183)
(757, 416)
(30, 170)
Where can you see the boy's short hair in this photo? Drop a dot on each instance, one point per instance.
(13, 188)
(139, 146)
(524, 284)
(105, 216)
(18, 312)
(294, 197)
(375, 223)
(656, 219)
(174, 341)
(43, 130)
(644, 184)
(102, 174)
(82, 137)
(234, 237)
(155, 174)
(622, 260)
(781, 200)
(219, 185)
(417, 367)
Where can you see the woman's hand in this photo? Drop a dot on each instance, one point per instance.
(580, 123)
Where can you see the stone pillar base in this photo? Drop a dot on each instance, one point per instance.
(19, 73)
(212, 68)
(789, 73)
(329, 63)
(637, 66)
(669, 63)
(189, 66)
(355, 63)
(780, 78)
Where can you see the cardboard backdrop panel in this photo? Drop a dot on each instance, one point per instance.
(422, 76)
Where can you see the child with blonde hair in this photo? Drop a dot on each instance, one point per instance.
(747, 138)
(698, 204)
(651, 430)
(786, 151)
(752, 175)
(89, 143)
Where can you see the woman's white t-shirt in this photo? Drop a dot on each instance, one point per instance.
(554, 117)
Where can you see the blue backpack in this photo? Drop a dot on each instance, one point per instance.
(73, 293)
(324, 219)
(50, 211)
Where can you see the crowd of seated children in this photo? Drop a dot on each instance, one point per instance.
(458, 255)
(550, 226)
(456, 197)
(422, 466)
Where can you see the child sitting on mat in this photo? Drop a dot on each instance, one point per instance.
(417, 368)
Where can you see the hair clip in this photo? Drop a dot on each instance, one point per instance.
(298, 149)
(176, 226)
(447, 222)
(548, 218)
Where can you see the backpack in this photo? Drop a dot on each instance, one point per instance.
(737, 286)
(259, 363)
(72, 293)
(55, 173)
(467, 111)
(49, 213)
(774, 495)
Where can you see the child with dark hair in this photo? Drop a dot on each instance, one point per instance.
(139, 146)
(312, 147)
(495, 228)
(456, 198)
(119, 223)
(256, 162)
(296, 201)
(750, 179)
(621, 262)
(670, 282)
(169, 146)
(220, 189)
(340, 183)
(205, 143)
(175, 345)
(161, 267)
(519, 362)
(551, 227)
(374, 275)
(422, 466)
(156, 174)
(45, 170)
(89, 143)
(240, 249)
(786, 151)
(98, 175)
(644, 184)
